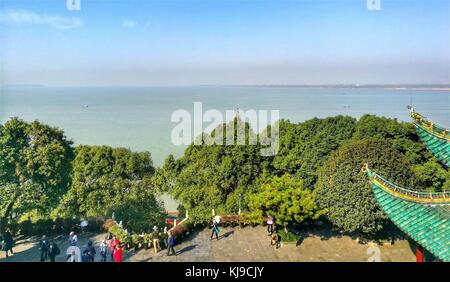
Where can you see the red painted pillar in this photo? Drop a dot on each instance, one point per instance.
(419, 254)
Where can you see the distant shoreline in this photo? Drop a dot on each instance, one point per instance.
(398, 87)
(431, 87)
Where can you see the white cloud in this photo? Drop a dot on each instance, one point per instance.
(129, 24)
(23, 17)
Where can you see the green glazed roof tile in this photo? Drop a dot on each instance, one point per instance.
(426, 223)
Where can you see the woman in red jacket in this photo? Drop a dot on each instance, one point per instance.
(118, 254)
(112, 246)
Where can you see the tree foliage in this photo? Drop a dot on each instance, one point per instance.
(107, 180)
(305, 146)
(345, 191)
(35, 166)
(285, 199)
(212, 176)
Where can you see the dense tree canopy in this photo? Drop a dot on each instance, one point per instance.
(305, 146)
(212, 177)
(430, 173)
(402, 136)
(35, 167)
(344, 190)
(224, 177)
(107, 180)
(317, 168)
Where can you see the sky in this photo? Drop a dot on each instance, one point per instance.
(224, 42)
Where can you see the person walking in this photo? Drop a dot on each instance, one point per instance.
(44, 247)
(53, 251)
(103, 250)
(118, 253)
(8, 243)
(170, 243)
(155, 239)
(73, 239)
(112, 246)
(215, 230)
(270, 222)
(89, 253)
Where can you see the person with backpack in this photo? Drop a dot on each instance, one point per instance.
(44, 247)
(53, 251)
(89, 253)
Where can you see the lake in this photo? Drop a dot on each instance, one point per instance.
(139, 117)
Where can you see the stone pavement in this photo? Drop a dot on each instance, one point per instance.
(27, 249)
(253, 244)
(236, 244)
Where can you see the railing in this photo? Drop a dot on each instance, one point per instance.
(434, 129)
(408, 194)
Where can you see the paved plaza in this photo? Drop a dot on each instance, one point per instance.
(238, 244)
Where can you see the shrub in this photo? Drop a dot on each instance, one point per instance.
(26, 228)
(182, 229)
(253, 218)
(137, 241)
(43, 226)
(288, 237)
(230, 220)
(109, 223)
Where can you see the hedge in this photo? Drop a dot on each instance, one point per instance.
(57, 226)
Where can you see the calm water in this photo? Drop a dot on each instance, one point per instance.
(139, 118)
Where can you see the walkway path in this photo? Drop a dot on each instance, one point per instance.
(237, 244)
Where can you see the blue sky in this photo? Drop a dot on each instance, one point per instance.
(183, 42)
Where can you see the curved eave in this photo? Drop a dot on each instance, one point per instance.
(435, 137)
(438, 199)
(428, 225)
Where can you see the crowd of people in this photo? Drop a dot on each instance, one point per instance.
(49, 250)
(110, 249)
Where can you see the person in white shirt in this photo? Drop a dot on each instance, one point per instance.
(73, 239)
(270, 224)
(103, 250)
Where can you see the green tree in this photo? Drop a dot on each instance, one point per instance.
(305, 146)
(107, 180)
(35, 166)
(401, 135)
(286, 200)
(344, 190)
(432, 176)
(139, 210)
(213, 176)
